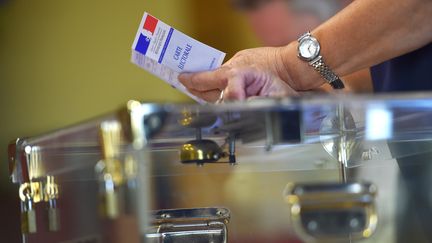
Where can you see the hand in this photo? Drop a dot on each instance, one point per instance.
(252, 72)
(237, 83)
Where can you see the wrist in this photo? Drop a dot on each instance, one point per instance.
(301, 76)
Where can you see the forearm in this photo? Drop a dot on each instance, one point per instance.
(359, 82)
(365, 33)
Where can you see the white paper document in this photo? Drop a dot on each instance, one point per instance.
(167, 52)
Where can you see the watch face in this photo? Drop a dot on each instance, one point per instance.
(309, 48)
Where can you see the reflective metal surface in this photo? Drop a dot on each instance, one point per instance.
(333, 212)
(200, 151)
(189, 225)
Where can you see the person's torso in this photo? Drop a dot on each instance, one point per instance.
(409, 72)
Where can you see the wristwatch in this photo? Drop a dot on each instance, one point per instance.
(309, 50)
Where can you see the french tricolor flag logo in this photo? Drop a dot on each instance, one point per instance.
(150, 24)
(147, 32)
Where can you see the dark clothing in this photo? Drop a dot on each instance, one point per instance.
(410, 72)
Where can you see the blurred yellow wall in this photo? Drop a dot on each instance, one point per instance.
(65, 61)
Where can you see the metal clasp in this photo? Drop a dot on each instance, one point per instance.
(189, 225)
(27, 192)
(332, 211)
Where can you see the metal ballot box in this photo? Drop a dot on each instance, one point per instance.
(310, 169)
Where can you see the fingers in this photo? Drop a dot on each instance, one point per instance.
(205, 81)
(210, 96)
(237, 83)
(235, 89)
(208, 85)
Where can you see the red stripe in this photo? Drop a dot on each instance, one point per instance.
(150, 23)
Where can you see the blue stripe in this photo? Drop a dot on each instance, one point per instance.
(142, 44)
(166, 45)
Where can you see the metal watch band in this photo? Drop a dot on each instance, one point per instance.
(325, 72)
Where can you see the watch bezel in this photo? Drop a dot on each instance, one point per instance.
(302, 40)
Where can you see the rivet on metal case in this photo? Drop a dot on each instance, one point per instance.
(189, 225)
(332, 211)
